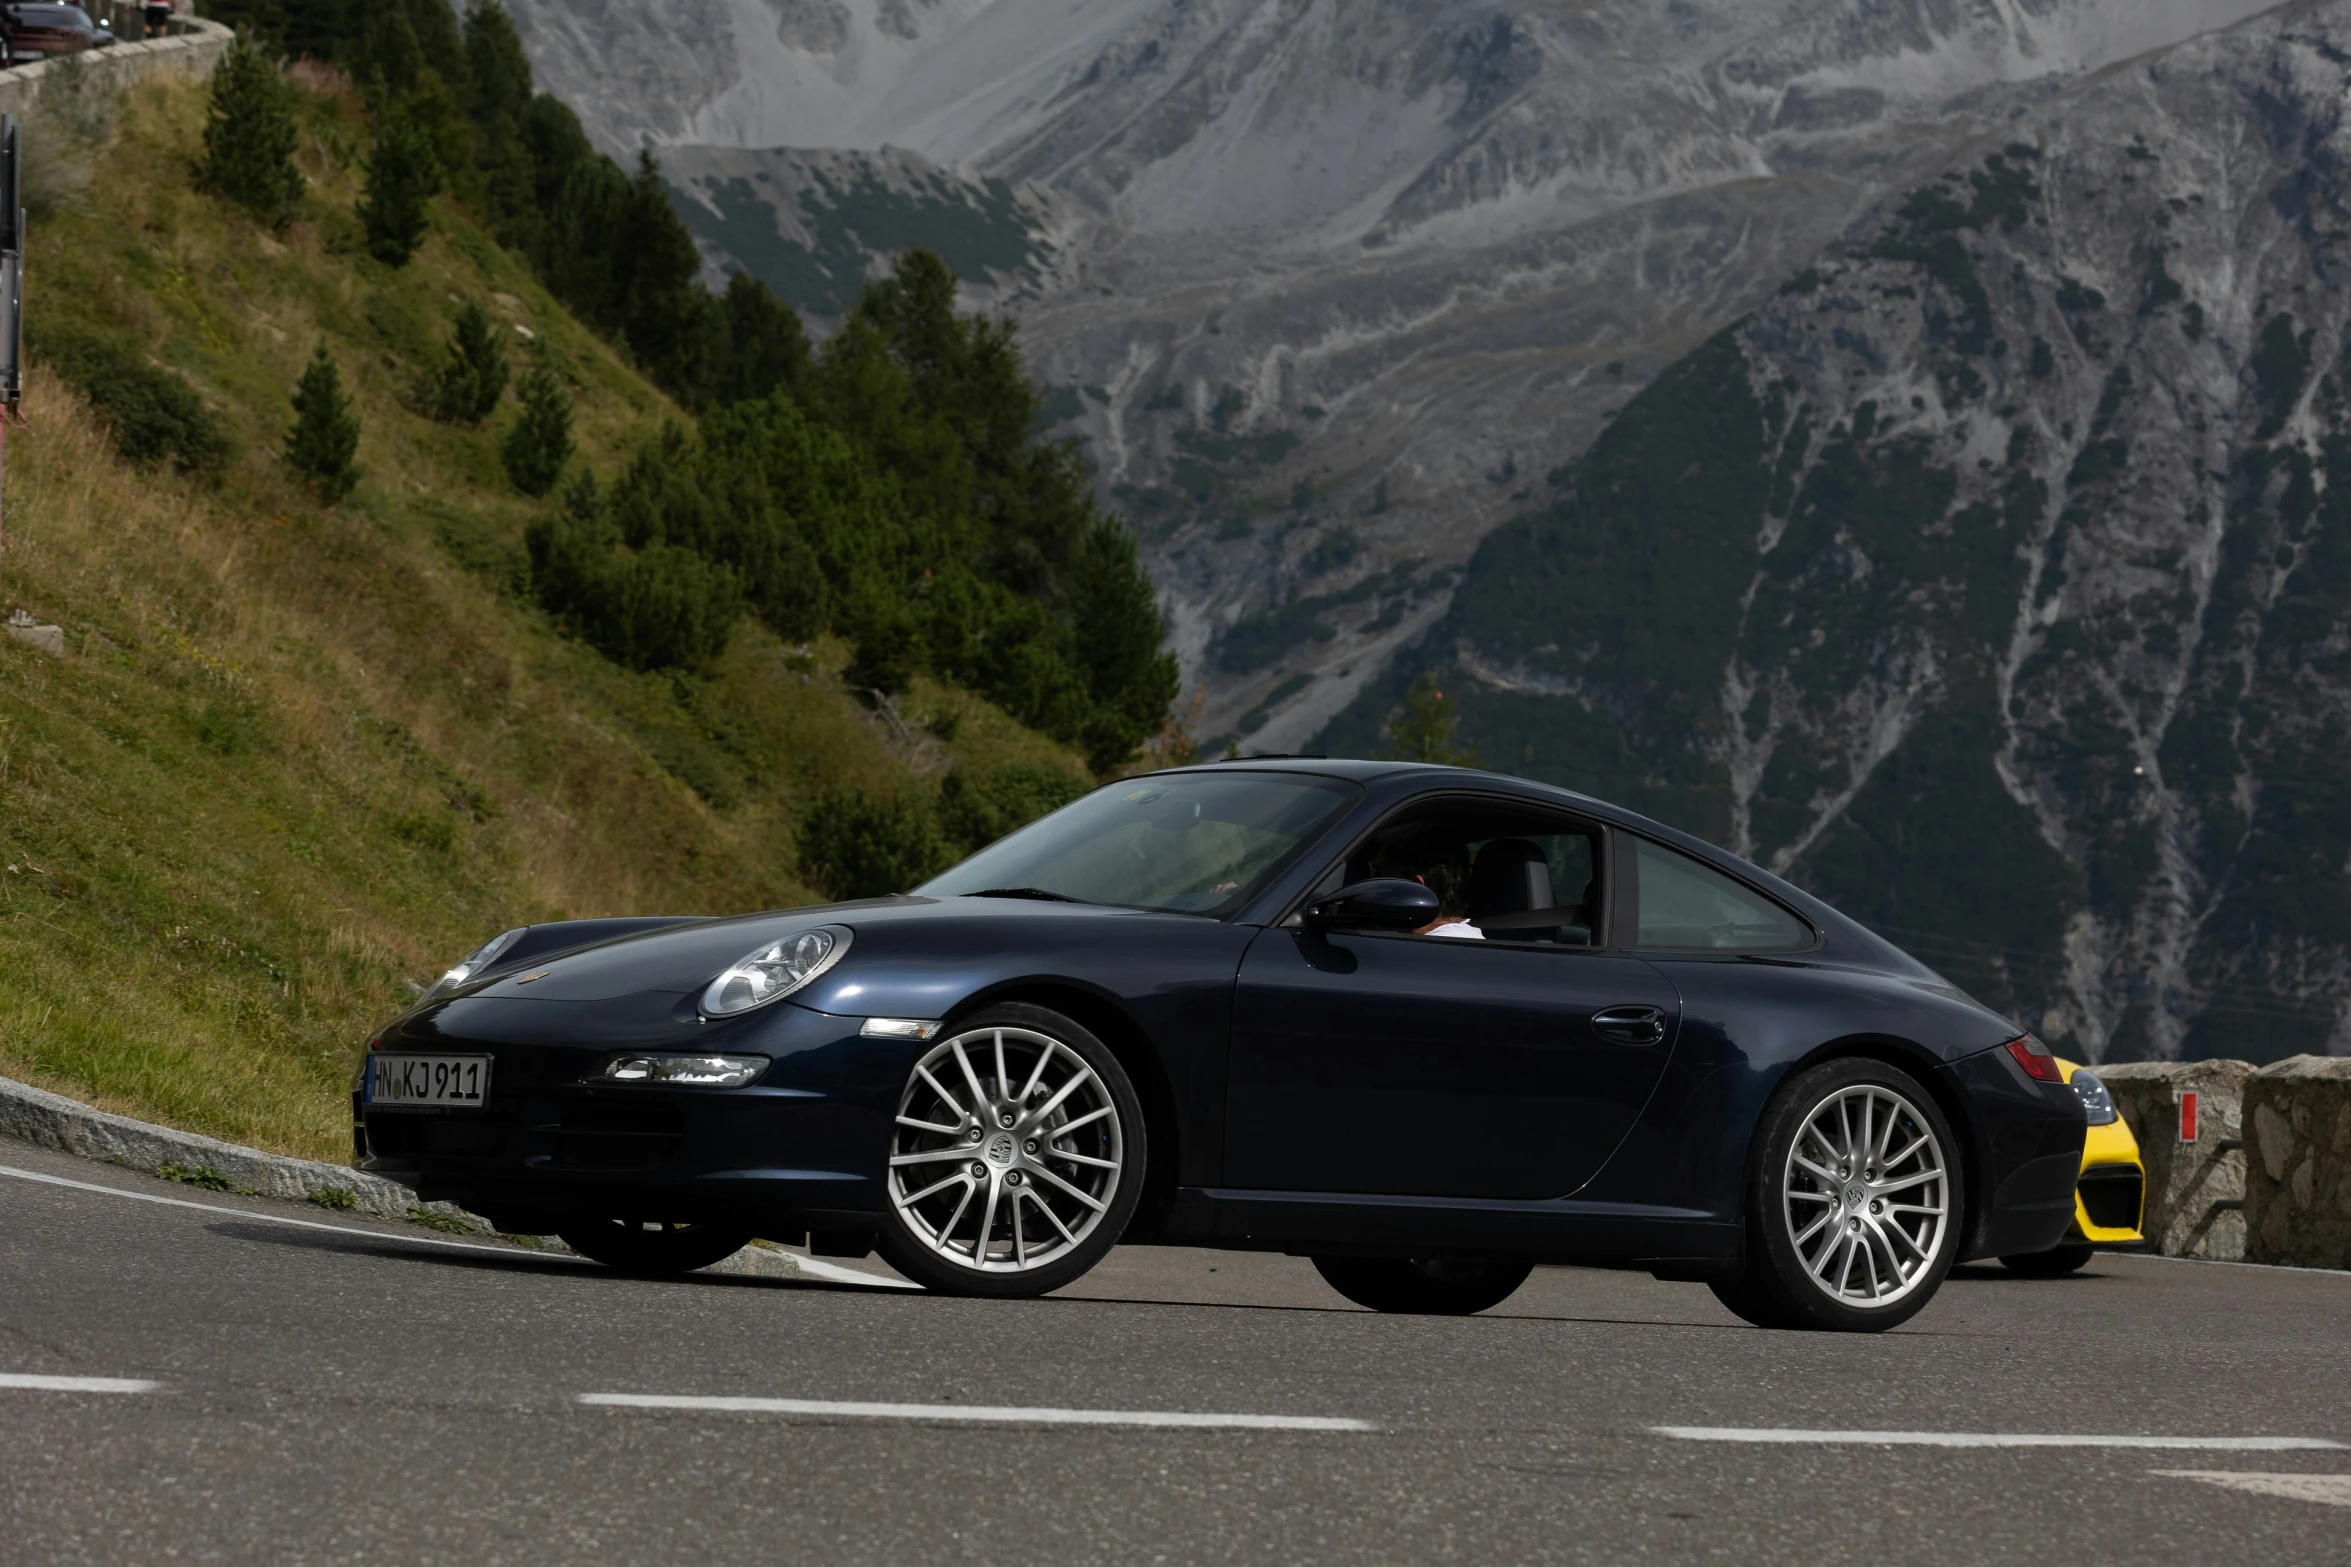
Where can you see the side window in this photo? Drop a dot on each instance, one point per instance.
(1497, 870)
(1689, 905)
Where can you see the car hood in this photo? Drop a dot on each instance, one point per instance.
(682, 959)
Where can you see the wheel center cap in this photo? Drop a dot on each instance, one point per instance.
(1855, 1196)
(1001, 1149)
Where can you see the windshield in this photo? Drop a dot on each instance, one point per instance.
(1201, 843)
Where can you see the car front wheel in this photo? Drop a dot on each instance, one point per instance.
(1853, 1203)
(1016, 1158)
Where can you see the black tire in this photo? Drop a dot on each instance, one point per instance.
(1119, 1138)
(2055, 1263)
(1425, 1286)
(650, 1249)
(1775, 1286)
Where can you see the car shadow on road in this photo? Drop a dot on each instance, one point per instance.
(1993, 1273)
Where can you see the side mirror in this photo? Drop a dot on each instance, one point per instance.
(1384, 903)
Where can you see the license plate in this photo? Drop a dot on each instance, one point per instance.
(462, 1081)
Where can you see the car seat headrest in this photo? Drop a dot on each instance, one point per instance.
(1511, 876)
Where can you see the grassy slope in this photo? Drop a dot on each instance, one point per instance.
(300, 759)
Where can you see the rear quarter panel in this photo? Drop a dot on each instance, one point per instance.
(1747, 1023)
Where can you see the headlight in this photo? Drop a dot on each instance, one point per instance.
(774, 971)
(693, 1071)
(2095, 1098)
(471, 964)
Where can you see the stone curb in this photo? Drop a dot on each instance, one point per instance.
(46, 1120)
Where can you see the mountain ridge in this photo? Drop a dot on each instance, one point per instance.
(1410, 239)
(2009, 572)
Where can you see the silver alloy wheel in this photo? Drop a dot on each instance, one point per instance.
(1008, 1150)
(1868, 1196)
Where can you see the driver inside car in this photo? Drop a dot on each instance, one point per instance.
(1440, 866)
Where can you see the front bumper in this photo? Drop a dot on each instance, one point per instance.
(2110, 1193)
(803, 1147)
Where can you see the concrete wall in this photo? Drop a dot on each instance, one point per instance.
(2195, 1191)
(2298, 1169)
(192, 52)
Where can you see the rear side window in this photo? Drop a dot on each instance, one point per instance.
(1688, 905)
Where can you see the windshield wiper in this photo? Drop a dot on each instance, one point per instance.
(1038, 893)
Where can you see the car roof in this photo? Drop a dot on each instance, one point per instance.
(1363, 770)
(1405, 779)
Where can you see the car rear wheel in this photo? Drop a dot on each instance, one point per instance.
(1853, 1203)
(652, 1248)
(2055, 1263)
(1016, 1159)
(1425, 1286)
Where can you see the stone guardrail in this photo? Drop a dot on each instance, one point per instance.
(2243, 1165)
(2195, 1188)
(191, 52)
(2298, 1163)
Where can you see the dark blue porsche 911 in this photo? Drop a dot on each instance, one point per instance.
(1426, 1026)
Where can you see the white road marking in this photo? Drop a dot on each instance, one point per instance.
(77, 1384)
(2333, 1490)
(996, 1415)
(1776, 1434)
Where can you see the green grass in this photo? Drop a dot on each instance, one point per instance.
(298, 760)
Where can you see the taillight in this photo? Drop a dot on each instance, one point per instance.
(2035, 1058)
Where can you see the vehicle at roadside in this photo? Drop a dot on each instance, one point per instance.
(1427, 1026)
(2109, 1194)
(42, 30)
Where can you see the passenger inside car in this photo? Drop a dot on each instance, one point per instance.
(1493, 872)
(1442, 866)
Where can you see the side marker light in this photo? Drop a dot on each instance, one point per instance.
(899, 1028)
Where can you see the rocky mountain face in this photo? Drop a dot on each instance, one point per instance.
(1903, 440)
(1328, 286)
(1994, 577)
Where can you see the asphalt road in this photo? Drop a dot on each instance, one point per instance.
(354, 1393)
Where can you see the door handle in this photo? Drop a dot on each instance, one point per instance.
(1633, 1025)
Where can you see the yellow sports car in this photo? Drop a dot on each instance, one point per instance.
(2107, 1196)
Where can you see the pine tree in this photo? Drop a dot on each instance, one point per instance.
(538, 446)
(467, 388)
(250, 135)
(1422, 728)
(325, 436)
(402, 177)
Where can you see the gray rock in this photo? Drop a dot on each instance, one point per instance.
(2298, 1175)
(2195, 1191)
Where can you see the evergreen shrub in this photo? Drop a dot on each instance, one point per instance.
(540, 443)
(250, 135)
(402, 177)
(855, 845)
(325, 437)
(651, 608)
(154, 414)
(467, 386)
